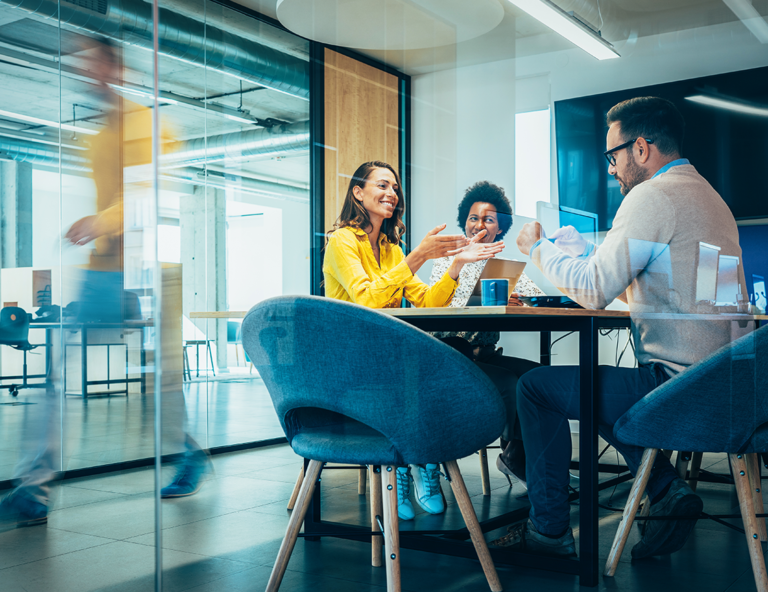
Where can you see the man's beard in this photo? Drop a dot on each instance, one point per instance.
(633, 176)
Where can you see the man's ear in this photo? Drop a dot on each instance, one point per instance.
(643, 150)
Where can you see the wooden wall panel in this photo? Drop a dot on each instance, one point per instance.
(361, 124)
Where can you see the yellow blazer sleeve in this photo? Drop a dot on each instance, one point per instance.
(343, 263)
(440, 294)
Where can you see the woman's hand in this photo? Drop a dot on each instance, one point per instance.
(435, 246)
(477, 251)
(474, 251)
(514, 300)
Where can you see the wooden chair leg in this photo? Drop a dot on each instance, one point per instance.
(391, 527)
(297, 488)
(753, 470)
(681, 464)
(294, 525)
(470, 519)
(747, 506)
(484, 477)
(376, 510)
(361, 475)
(693, 476)
(630, 510)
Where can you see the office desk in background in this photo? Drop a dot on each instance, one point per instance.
(84, 328)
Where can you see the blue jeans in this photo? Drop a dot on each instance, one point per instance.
(547, 398)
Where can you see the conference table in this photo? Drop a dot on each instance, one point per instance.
(587, 324)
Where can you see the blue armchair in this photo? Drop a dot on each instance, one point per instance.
(352, 385)
(719, 404)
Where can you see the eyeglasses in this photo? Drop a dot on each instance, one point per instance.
(609, 153)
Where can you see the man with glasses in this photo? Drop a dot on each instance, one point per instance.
(648, 260)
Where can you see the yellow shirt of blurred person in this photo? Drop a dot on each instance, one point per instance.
(124, 142)
(352, 274)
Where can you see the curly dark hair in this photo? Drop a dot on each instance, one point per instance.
(487, 192)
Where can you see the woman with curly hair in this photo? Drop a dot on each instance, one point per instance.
(485, 211)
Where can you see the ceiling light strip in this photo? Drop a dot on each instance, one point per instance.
(37, 120)
(729, 105)
(567, 26)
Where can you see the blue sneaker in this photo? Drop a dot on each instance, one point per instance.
(404, 505)
(18, 509)
(426, 482)
(189, 477)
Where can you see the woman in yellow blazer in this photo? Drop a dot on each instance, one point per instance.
(364, 264)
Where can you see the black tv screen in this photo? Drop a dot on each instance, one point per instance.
(726, 139)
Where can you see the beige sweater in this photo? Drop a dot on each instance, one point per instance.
(651, 253)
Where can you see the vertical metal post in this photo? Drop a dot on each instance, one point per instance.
(316, 164)
(588, 393)
(158, 298)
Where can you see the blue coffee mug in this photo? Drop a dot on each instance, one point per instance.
(494, 292)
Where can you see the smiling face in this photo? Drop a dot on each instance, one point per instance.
(378, 196)
(482, 216)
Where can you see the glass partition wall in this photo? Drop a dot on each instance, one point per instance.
(139, 221)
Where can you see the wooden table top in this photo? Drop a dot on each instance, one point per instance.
(485, 311)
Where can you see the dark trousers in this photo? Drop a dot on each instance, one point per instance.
(546, 399)
(504, 372)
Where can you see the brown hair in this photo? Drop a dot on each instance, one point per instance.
(355, 215)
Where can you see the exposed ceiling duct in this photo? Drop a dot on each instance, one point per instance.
(265, 143)
(41, 154)
(182, 38)
(268, 189)
(280, 140)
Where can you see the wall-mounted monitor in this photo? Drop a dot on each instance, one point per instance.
(726, 139)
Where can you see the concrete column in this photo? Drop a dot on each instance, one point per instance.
(16, 219)
(204, 262)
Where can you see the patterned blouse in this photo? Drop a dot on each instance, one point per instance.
(468, 277)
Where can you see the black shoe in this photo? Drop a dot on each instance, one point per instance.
(524, 537)
(511, 462)
(661, 537)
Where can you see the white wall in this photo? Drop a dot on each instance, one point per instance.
(463, 120)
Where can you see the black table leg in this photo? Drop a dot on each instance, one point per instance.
(312, 519)
(588, 469)
(84, 359)
(545, 343)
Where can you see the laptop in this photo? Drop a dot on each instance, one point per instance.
(497, 268)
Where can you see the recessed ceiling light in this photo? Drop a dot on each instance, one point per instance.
(569, 27)
(29, 119)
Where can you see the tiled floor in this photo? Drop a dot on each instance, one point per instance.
(105, 430)
(101, 536)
